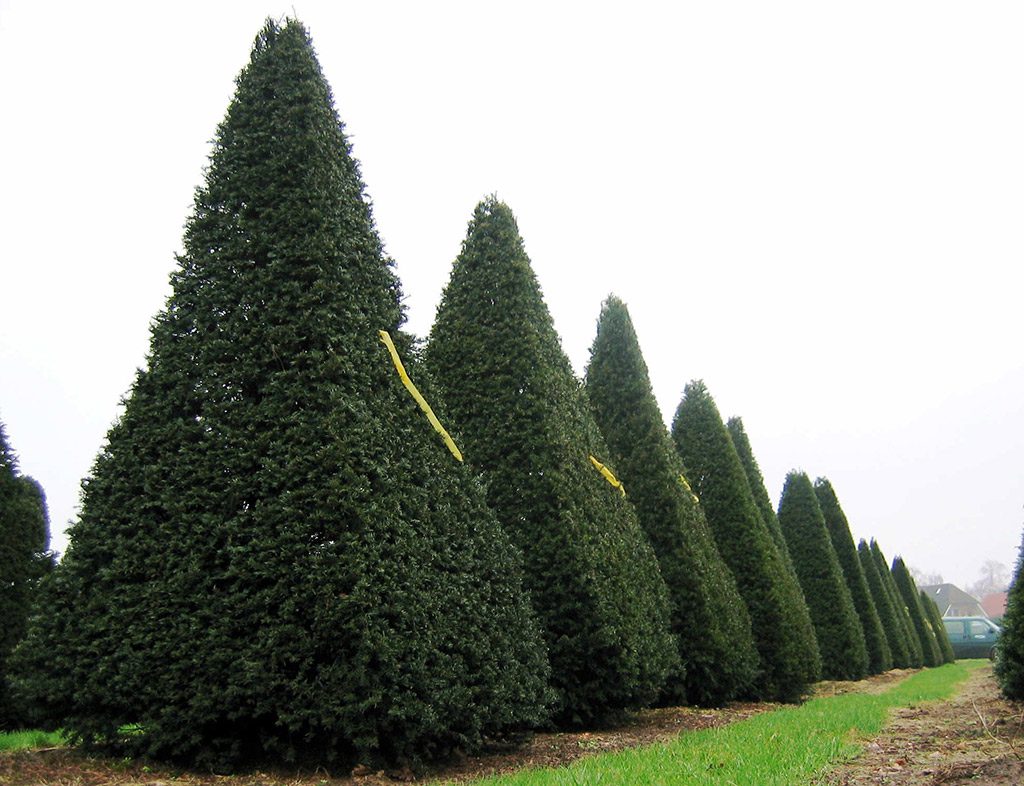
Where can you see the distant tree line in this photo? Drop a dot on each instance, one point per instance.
(311, 538)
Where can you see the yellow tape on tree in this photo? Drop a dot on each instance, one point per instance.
(686, 485)
(385, 339)
(608, 475)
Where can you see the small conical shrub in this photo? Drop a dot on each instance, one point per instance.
(277, 556)
(1009, 666)
(709, 618)
(24, 560)
(836, 626)
(906, 624)
(934, 618)
(890, 623)
(525, 425)
(912, 599)
(778, 614)
(879, 654)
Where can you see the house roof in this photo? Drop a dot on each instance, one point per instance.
(953, 601)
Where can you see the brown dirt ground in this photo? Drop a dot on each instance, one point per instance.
(974, 738)
(898, 750)
(67, 767)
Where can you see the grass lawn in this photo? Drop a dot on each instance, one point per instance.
(20, 740)
(783, 748)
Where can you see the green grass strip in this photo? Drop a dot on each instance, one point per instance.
(22, 740)
(786, 747)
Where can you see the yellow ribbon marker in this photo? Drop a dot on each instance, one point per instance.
(608, 475)
(385, 339)
(686, 486)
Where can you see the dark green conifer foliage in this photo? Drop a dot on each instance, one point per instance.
(778, 613)
(1009, 666)
(934, 618)
(883, 604)
(741, 442)
(24, 560)
(913, 642)
(879, 654)
(912, 599)
(709, 618)
(526, 426)
(276, 554)
(836, 625)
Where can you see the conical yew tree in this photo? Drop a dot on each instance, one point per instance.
(526, 427)
(910, 636)
(778, 613)
(879, 654)
(883, 604)
(741, 442)
(934, 618)
(24, 560)
(840, 636)
(912, 599)
(277, 555)
(1009, 667)
(709, 618)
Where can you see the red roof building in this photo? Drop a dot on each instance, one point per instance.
(994, 604)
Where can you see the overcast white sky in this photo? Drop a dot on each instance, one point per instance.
(816, 207)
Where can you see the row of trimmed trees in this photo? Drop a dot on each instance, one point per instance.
(282, 553)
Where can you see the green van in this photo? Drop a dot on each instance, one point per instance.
(972, 637)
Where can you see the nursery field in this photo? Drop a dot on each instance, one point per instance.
(938, 726)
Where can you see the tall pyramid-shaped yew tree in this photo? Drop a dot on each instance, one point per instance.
(526, 427)
(910, 636)
(934, 618)
(277, 555)
(891, 626)
(912, 600)
(24, 559)
(836, 624)
(778, 613)
(879, 654)
(709, 618)
(1009, 665)
(741, 442)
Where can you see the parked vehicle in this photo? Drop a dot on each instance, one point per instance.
(972, 637)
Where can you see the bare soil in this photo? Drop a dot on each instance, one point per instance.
(958, 739)
(974, 738)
